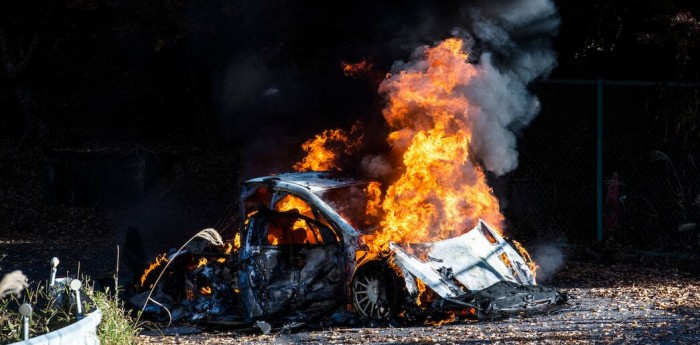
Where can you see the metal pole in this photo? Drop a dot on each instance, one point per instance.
(78, 305)
(75, 285)
(599, 163)
(25, 310)
(25, 329)
(54, 264)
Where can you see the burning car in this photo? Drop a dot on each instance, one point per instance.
(302, 253)
(299, 252)
(421, 240)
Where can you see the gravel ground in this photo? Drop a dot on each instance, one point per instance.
(610, 304)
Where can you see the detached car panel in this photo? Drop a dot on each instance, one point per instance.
(476, 259)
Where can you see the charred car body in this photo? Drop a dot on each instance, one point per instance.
(299, 256)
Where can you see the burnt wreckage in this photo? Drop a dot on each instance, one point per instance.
(299, 257)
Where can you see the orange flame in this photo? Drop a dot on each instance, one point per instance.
(442, 192)
(229, 247)
(526, 256)
(159, 260)
(291, 202)
(374, 199)
(437, 323)
(202, 262)
(505, 260)
(236, 243)
(323, 150)
(421, 291)
(357, 69)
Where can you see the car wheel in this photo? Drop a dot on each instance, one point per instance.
(376, 291)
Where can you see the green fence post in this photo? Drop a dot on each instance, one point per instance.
(599, 163)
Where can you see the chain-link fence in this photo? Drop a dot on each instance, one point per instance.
(610, 159)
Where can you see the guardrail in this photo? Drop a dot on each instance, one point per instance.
(83, 332)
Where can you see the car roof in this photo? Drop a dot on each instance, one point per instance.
(314, 181)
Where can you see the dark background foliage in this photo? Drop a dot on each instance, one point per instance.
(148, 113)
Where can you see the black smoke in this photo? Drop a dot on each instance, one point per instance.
(276, 65)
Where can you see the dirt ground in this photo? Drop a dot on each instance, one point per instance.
(625, 303)
(610, 304)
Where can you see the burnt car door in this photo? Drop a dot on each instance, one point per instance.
(291, 260)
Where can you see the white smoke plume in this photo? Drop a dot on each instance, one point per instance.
(513, 48)
(509, 43)
(550, 259)
(376, 166)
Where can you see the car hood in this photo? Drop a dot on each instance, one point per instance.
(476, 260)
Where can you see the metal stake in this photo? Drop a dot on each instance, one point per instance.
(25, 310)
(75, 285)
(54, 264)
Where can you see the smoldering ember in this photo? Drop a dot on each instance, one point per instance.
(513, 171)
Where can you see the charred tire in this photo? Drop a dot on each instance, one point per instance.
(376, 291)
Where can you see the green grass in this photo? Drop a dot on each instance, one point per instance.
(118, 326)
(51, 313)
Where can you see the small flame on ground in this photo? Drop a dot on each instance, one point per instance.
(450, 319)
(159, 260)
